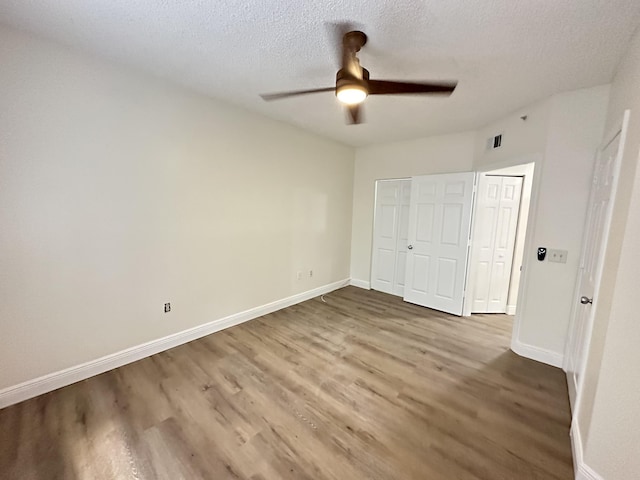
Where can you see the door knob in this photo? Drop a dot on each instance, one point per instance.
(410, 247)
(585, 300)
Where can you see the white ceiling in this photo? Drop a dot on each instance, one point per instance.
(505, 53)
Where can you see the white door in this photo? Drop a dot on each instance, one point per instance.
(390, 236)
(494, 238)
(592, 258)
(439, 230)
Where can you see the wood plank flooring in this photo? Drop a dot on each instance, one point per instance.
(363, 386)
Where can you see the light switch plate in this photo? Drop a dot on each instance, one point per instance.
(557, 256)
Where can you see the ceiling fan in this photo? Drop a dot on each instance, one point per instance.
(353, 84)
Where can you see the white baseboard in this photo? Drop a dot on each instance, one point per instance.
(572, 387)
(581, 469)
(511, 310)
(360, 283)
(538, 354)
(62, 378)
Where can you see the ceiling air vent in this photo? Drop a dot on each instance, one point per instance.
(494, 142)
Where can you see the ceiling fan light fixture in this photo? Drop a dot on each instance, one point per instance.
(351, 94)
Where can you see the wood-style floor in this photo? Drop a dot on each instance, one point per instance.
(363, 386)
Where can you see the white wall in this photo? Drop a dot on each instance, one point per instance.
(440, 154)
(562, 133)
(608, 411)
(119, 192)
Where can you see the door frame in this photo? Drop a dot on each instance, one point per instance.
(621, 129)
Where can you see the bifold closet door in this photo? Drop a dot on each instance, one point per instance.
(390, 236)
(494, 237)
(439, 231)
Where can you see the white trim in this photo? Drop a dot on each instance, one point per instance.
(360, 283)
(511, 310)
(517, 346)
(582, 470)
(538, 354)
(62, 378)
(469, 281)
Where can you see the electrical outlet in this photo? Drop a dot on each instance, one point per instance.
(557, 256)
(167, 307)
(310, 273)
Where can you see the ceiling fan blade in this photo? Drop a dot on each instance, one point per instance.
(388, 87)
(354, 112)
(278, 96)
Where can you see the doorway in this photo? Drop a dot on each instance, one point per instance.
(494, 238)
(501, 218)
(598, 222)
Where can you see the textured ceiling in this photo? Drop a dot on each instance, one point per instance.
(505, 53)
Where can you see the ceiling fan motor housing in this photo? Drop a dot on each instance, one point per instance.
(345, 80)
